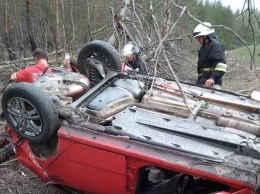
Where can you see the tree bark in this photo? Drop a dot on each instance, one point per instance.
(166, 17)
(72, 20)
(19, 34)
(63, 22)
(30, 34)
(7, 31)
(6, 16)
(117, 22)
(57, 24)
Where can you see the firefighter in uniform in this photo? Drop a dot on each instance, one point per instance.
(211, 57)
(133, 59)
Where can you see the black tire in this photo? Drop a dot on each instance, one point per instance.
(102, 51)
(30, 112)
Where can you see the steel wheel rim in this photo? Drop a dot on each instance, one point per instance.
(24, 116)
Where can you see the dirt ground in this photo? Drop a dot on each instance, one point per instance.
(17, 179)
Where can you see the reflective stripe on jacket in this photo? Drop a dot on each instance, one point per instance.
(221, 67)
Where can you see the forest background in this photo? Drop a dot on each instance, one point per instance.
(162, 28)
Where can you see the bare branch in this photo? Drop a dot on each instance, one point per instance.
(161, 49)
(117, 22)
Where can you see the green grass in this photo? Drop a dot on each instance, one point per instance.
(242, 55)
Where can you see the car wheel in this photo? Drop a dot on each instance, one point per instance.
(30, 112)
(103, 53)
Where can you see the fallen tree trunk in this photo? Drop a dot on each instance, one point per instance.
(118, 24)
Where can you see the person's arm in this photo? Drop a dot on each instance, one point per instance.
(217, 57)
(143, 69)
(13, 77)
(143, 66)
(19, 76)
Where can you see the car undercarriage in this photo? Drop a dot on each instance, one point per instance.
(131, 133)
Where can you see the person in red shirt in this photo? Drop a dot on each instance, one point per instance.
(30, 74)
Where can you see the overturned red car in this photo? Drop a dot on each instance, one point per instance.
(131, 133)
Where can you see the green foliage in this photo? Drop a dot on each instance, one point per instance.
(242, 54)
(217, 14)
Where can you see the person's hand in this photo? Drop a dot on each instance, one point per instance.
(126, 68)
(209, 83)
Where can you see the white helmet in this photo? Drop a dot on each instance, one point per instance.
(130, 49)
(203, 29)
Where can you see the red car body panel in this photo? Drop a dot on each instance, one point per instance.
(101, 163)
